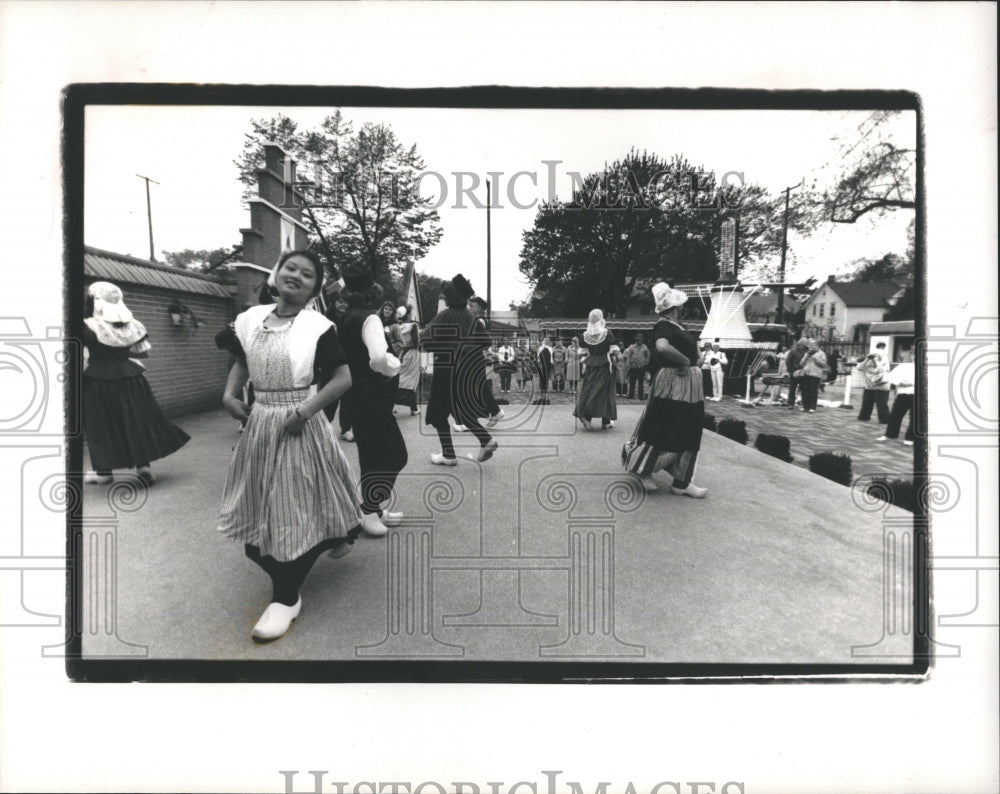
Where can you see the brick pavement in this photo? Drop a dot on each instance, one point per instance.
(830, 429)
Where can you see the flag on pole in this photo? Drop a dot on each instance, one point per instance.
(411, 295)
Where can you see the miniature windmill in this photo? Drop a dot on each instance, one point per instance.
(727, 320)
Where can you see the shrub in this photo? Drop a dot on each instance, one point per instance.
(709, 422)
(832, 465)
(900, 492)
(736, 429)
(775, 446)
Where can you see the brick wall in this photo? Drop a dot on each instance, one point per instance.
(185, 370)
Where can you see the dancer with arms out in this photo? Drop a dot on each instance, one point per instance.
(289, 494)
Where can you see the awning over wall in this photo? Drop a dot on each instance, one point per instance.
(120, 269)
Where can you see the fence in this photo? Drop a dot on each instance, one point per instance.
(848, 350)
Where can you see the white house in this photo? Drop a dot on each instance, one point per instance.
(845, 310)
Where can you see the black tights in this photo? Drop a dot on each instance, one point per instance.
(287, 577)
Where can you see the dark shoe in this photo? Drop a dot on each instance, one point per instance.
(487, 452)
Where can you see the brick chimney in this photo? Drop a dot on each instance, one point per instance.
(275, 223)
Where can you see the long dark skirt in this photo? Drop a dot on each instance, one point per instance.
(124, 425)
(597, 395)
(668, 434)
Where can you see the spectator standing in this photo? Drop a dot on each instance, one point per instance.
(620, 364)
(706, 370)
(903, 379)
(875, 369)
(544, 357)
(637, 362)
(525, 368)
(558, 366)
(793, 362)
(717, 361)
(505, 355)
(813, 368)
(573, 354)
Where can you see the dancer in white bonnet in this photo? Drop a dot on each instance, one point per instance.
(668, 435)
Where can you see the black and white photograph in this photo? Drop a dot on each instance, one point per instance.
(682, 471)
(496, 397)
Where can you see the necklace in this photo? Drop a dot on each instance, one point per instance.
(285, 316)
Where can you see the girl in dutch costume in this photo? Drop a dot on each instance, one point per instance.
(124, 426)
(668, 435)
(290, 494)
(597, 389)
(409, 362)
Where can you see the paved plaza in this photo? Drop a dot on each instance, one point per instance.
(547, 552)
(830, 429)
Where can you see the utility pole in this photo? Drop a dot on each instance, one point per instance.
(489, 274)
(784, 248)
(149, 215)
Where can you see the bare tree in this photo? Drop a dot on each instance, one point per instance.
(876, 172)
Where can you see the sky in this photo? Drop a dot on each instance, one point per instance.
(196, 201)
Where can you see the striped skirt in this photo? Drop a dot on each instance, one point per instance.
(284, 493)
(668, 434)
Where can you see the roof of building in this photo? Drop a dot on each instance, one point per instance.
(497, 325)
(863, 294)
(123, 269)
(764, 304)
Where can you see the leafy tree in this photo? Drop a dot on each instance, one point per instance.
(203, 260)
(361, 202)
(428, 290)
(890, 267)
(877, 174)
(641, 218)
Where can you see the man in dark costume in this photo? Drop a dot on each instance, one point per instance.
(457, 382)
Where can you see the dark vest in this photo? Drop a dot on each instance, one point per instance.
(349, 331)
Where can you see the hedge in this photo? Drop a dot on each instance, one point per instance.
(736, 429)
(833, 466)
(775, 446)
(901, 493)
